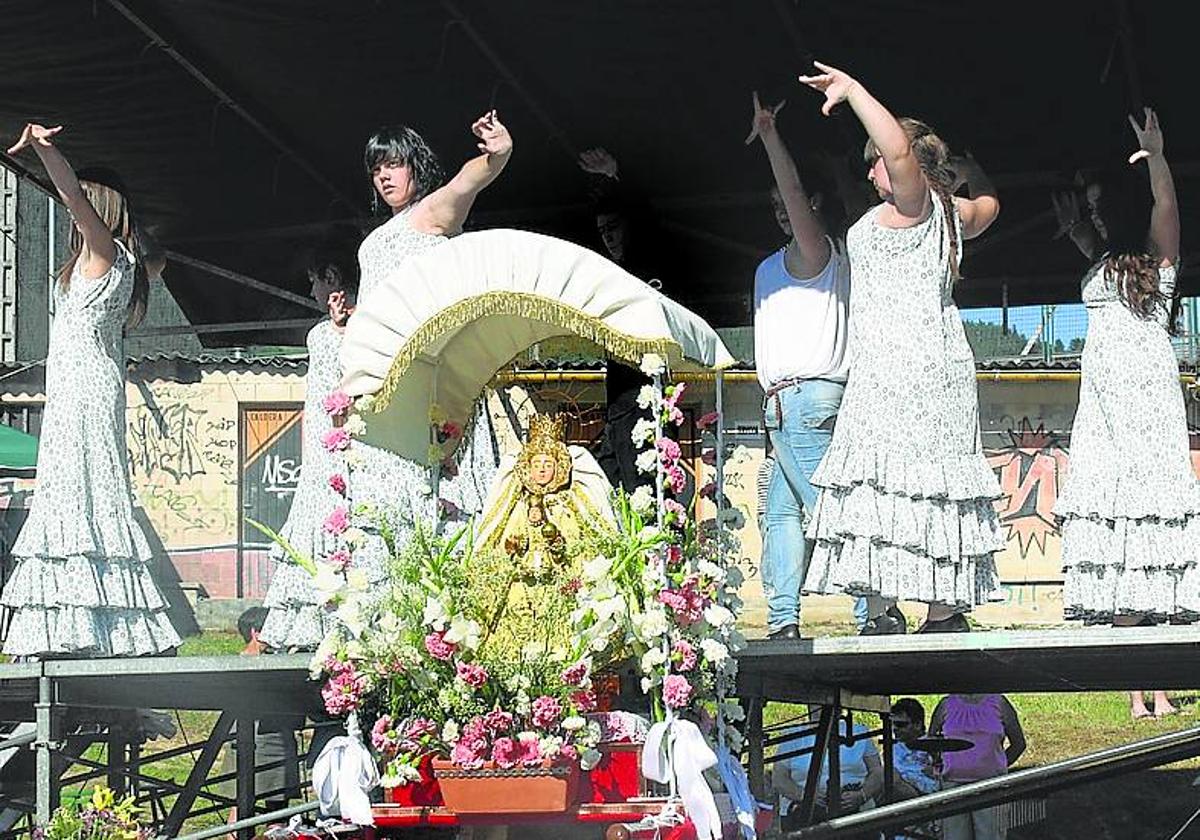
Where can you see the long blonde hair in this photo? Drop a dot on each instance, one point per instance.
(933, 155)
(112, 207)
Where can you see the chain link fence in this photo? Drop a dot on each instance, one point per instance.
(1056, 333)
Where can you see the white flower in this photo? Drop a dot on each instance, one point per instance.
(327, 648)
(528, 736)
(365, 403)
(521, 703)
(599, 644)
(357, 580)
(353, 458)
(647, 684)
(648, 533)
(647, 461)
(718, 616)
(711, 570)
(425, 489)
(642, 500)
(646, 396)
(463, 631)
(597, 568)
(610, 608)
(328, 584)
(518, 682)
(653, 658)
(714, 651)
(652, 623)
(643, 432)
(355, 425)
(354, 537)
(550, 746)
(573, 723)
(588, 759)
(450, 732)
(435, 615)
(350, 613)
(653, 364)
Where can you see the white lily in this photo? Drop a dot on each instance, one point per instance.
(434, 615)
(653, 364)
(464, 631)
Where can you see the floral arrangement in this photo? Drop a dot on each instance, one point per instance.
(101, 817)
(416, 660)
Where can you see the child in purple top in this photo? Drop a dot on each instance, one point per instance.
(988, 721)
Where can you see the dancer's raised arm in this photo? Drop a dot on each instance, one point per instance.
(981, 206)
(808, 232)
(1164, 215)
(444, 210)
(99, 251)
(907, 188)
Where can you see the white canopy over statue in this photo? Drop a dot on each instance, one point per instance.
(446, 321)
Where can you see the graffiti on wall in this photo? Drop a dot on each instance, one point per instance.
(1031, 470)
(165, 439)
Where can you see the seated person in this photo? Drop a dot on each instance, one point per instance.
(861, 774)
(546, 513)
(915, 771)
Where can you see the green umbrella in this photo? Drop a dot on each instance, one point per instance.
(18, 451)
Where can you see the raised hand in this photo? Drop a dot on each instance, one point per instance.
(340, 309)
(762, 120)
(34, 135)
(1149, 136)
(598, 161)
(494, 137)
(1066, 210)
(834, 83)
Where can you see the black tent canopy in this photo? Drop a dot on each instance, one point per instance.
(238, 126)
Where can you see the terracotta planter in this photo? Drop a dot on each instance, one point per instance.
(423, 792)
(547, 789)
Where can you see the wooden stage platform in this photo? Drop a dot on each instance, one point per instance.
(844, 673)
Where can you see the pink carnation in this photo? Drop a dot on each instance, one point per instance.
(498, 720)
(336, 403)
(674, 415)
(337, 483)
(545, 712)
(437, 646)
(505, 752)
(683, 655)
(419, 728)
(568, 752)
(584, 700)
(706, 420)
(668, 450)
(675, 479)
(384, 736)
(529, 751)
(675, 393)
(337, 521)
(677, 691)
(576, 674)
(449, 431)
(335, 440)
(469, 753)
(472, 675)
(674, 557)
(340, 560)
(676, 510)
(343, 692)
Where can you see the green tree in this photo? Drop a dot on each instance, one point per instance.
(989, 340)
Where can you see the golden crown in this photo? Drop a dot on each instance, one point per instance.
(547, 429)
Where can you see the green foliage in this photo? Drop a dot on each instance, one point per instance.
(989, 340)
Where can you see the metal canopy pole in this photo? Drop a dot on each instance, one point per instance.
(44, 746)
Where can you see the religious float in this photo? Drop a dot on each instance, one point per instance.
(562, 660)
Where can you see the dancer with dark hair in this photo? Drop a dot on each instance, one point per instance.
(82, 582)
(1130, 508)
(297, 619)
(406, 179)
(905, 509)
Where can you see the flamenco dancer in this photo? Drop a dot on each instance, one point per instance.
(81, 585)
(407, 181)
(1130, 509)
(905, 508)
(296, 619)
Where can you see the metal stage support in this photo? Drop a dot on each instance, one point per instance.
(77, 704)
(844, 675)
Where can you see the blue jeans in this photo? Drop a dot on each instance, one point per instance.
(799, 421)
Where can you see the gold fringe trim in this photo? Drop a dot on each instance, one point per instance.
(625, 347)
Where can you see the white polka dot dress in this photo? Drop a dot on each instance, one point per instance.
(81, 582)
(906, 497)
(1130, 508)
(296, 618)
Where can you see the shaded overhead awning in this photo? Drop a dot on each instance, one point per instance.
(18, 450)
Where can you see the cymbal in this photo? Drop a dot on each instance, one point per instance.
(935, 744)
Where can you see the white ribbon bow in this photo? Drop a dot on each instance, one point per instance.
(689, 756)
(343, 775)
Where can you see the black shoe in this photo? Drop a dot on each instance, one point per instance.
(884, 625)
(956, 623)
(894, 612)
(785, 633)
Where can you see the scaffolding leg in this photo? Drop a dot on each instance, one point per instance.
(45, 778)
(245, 774)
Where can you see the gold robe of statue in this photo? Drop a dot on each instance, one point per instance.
(546, 510)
